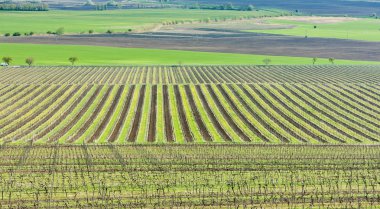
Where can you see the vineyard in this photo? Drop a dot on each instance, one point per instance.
(190, 137)
(192, 176)
(190, 104)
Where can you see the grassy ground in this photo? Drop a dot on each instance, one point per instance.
(97, 55)
(101, 21)
(361, 29)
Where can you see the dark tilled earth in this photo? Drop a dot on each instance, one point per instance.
(222, 41)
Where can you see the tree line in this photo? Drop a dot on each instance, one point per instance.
(24, 7)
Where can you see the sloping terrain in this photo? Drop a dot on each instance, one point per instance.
(191, 104)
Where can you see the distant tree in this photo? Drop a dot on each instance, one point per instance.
(31, 33)
(90, 31)
(109, 31)
(16, 34)
(331, 60)
(250, 7)
(73, 60)
(7, 34)
(315, 59)
(29, 61)
(60, 31)
(7, 60)
(267, 61)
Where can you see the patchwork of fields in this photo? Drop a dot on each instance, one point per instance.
(191, 104)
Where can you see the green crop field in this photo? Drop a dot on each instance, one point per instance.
(114, 20)
(301, 104)
(97, 55)
(362, 29)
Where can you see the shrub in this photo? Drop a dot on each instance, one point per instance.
(7, 34)
(16, 34)
(60, 31)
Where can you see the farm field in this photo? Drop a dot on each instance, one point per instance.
(192, 176)
(191, 104)
(99, 55)
(363, 29)
(118, 21)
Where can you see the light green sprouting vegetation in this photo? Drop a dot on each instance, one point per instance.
(244, 104)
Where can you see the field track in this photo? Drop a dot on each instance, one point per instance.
(191, 104)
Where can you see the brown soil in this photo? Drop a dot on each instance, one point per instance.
(211, 115)
(63, 115)
(153, 115)
(123, 115)
(226, 116)
(77, 117)
(136, 121)
(167, 115)
(182, 116)
(91, 119)
(197, 116)
(107, 118)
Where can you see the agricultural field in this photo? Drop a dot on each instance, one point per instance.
(192, 176)
(45, 54)
(117, 21)
(362, 29)
(302, 104)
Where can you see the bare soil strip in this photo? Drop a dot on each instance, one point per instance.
(35, 114)
(13, 94)
(77, 117)
(296, 124)
(63, 115)
(295, 103)
(331, 117)
(53, 111)
(202, 127)
(257, 117)
(269, 115)
(35, 101)
(227, 117)
(136, 121)
(301, 117)
(211, 115)
(241, 116)
(123, 116)
(185, 126)
(339, 106)
(107, 118)
(92, 117)
(153, 115)
(347, 103)
(167, 115)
